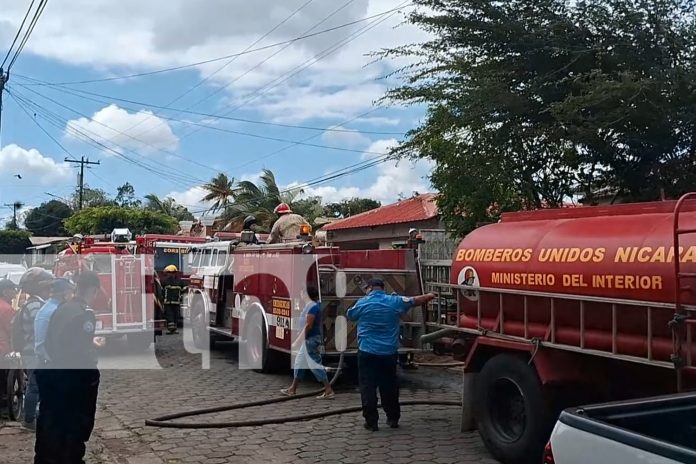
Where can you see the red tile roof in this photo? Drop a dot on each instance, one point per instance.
(418, 208)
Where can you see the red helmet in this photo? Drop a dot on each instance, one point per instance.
(282, 208)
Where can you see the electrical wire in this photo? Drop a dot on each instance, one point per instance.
(232, 60)
(30, 29)
(171, 174)
(19, 31)
(221, 58)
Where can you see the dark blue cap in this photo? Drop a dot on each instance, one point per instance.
(375, 283)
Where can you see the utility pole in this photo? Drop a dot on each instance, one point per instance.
(82, 162)
(3, 80)
(15, 206)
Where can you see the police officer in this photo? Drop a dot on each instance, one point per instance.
(378, 316)
(69, 383)
(36, 283)
(172, 289)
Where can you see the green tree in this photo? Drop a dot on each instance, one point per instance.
(13, 245)
(531, 101)
(104, 219)
(346, 208)
(309, 208)
(168, 206)
(47, 219)
(257, 200)
(91, 197)
(125, 197)
(220, 192)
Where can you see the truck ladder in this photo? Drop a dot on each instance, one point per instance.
(682, 324)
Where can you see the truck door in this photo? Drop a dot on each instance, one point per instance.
(129, 302)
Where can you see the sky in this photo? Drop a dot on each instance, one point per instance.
(169, 132)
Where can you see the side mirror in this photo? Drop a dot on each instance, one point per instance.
(341, 286)
(341, 335)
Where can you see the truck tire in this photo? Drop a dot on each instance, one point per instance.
(15, 384)
(259, 354)
(199, 325)
(512, 414)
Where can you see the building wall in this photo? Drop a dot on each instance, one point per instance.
(380, 237)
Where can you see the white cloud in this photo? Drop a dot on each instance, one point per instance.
(350, 138)
(118, 129)
(394, 178)
(34, 167)
(192, 199)
(130, 36)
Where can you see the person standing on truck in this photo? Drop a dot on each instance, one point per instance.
(378, 316)
(287, 226)
(250, 224)
(61, 291)
(309, 341)
(172, 289)
(70, 382)
(36, 283)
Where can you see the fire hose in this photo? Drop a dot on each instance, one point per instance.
(166, 420)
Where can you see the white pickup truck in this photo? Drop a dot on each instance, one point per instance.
(647, 431)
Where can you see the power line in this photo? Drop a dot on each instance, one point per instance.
(110, 98)
(232, 60)
(37, 14)
(308, 63)
(171, 174)
(19, 31)
(221, 58)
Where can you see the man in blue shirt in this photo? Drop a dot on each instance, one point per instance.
(61, 291)
(379, 318)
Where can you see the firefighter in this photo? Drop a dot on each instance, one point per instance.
(70, 382)
(172, 289)
(287, 226)
(250, 224)
(378, 317)
(36, 283)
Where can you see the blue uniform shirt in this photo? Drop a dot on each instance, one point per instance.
(43, 318)
(313, 308)
(379, 316)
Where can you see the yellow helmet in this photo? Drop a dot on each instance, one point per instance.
(170, 268)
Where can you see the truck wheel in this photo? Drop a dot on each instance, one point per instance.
(199, 326)
(512, 415)
(139, 342)
(259, 354)
(15, 393)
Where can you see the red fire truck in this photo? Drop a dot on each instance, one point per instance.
(125, 305)
(254, 292)
(166, 250)
(556, 308)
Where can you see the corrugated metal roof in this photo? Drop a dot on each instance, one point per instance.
(417, 208)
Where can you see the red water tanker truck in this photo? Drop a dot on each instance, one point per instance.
(556, 308)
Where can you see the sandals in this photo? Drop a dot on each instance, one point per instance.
(326, 396)
(287, 392)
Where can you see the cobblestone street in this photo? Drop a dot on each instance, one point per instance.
(428, 434)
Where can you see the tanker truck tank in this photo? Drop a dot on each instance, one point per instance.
(623, 252)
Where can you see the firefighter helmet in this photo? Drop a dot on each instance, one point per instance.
(248, 222)
(282, 208)
(170, 268)
(36, 280)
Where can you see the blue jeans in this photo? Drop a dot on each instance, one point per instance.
(31, 397)
(309, 357)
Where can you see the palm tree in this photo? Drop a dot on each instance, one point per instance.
(221, 191)
(257, 200)
(167, 206)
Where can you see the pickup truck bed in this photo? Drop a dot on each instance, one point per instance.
(653, 430)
